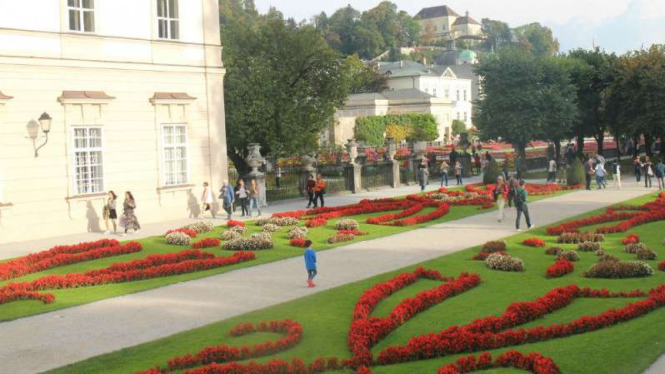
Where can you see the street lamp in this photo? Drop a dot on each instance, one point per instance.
(45, 125)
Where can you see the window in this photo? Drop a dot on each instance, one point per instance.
(174, 147)
(434, 92)
(81, 15)
(458, 116)
(466, 117)
(457, 95)
(88, 160)
(464, 95)
(167, 18)
(447, 92)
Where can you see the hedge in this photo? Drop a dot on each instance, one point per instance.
(413, 127)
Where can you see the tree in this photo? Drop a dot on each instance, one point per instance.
(427, 36)
(492, 172)
(497, 33)
(575, 174)
(283, 85)
(537, 39)
(523, 98)
(458, 127)
(365, 77)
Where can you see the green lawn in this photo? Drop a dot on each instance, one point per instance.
(628, 348)
(282, 250)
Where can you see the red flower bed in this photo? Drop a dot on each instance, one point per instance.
(316, 222)
(631, 238)
(298, 242)
(352, 232)
(532, 362)
(207, 243)
(482, 256)
(416, 208)
(661, 265)
(233, 223)
(62, 255)
(498, 332)
(560, 268)
(534, 242)
(188, 232)
(441, 211)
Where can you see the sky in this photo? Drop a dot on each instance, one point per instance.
(614, 25)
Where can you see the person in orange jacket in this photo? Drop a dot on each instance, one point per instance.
(319, 190)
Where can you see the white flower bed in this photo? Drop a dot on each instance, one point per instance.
(504, 263)
(297, 232)
(178, 238)
(347, 224)
(201, 227)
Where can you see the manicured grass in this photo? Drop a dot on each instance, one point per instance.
(156, 245)
(627, 348)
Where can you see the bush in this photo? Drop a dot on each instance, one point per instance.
(553, 251)
(619, 270)
(239, 229)
(270, 227)
(178, 238)
(560, 268)
(579, 237)
(493, 246)
(230, 235)
(600, 253)
(279, 221)
(416, 127)
(340, 237)
(634, 247)
(492, 172)
(501, 262)
(645, 254)
(297, 232)
(201, 227)
(397, 132)
(253, 243)
(482, 256)
(571, 256)
(588, 247)
(575, 174)
(534, 242)
(458, 127)
(347, 224)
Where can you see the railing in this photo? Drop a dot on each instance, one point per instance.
(285, 187)
(376, 175)
(335, 177)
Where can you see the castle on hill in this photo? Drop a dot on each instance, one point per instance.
(443, 23)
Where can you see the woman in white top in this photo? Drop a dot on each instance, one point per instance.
(207, 200)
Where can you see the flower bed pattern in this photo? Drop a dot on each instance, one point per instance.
(560, 268)
(207, 243)
(532, 362)
(534, 242)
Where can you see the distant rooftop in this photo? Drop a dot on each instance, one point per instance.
(435, 12)
(466, 20)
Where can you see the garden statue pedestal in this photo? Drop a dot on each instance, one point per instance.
(307, 169)
(255, 160)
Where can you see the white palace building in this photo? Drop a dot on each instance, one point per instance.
(99, 95)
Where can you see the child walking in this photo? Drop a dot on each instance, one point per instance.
(310, 263)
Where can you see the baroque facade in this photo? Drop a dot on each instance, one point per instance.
(441, 22)
(135, 92)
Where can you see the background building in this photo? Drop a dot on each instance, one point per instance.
(441, 22)
(135, 90)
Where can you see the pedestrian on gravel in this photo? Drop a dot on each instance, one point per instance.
(522, 206)
(458, 173)
(110, 213)
(254, 197)
(600, 176)
(506, 170)
(243, 194)
(590, 170)
(647, 169)
(309, 189)
(228, 197)
(616, 174)
(206, 201)
(319, 190)
(445, 168)
(310, 263)
(129, 219)
(500, 196)
(512, 188)
(423, 175)
(551, 171)
(637, 167)
(660, 174)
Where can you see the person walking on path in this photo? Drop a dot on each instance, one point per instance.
(522, 207)
(445, 168)
(310, 263)
(616, 174)
(512, 188)
(458, 173)
(600, 176)
(278, 175)
(254, 195)
(228, 197)
(660, 174)
(590, 170)
(551, 171)
(309, 189)
(110, 213)
(243, 195)
(129, 219)
(500, 196)
(637, 167)
(423, 175)
(319, 190)
(477, 162)
(647, 169)
(207, 200)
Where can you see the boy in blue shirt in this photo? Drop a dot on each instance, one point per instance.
(310, 263)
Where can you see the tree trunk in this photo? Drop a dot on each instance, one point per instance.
(648, 142)
(239, 162)
(557, 150)
(618, 143)
(662, 144)
(580, 145)
(600, 140)
(636, 146)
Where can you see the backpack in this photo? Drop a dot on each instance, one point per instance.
(519, 198)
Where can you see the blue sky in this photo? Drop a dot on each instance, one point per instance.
(615, 25)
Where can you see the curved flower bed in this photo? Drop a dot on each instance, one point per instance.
(631, 238)
(534, 242)
(560, 268)
(207, 243)
(189, 232)
(532, 362)
(233, 223)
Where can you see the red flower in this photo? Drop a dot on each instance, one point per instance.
(188, 232)
(233, 223)
(534, 242)
(298, 242)
(207, 243)
(631, 238)
(560, 268)
(316, 222)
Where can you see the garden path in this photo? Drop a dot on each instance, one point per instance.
(51, 340)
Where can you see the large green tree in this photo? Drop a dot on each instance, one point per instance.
(537, 39)
(283, 83)
(498, 33)
(524, 98)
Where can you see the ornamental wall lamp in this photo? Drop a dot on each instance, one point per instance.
(33, 131)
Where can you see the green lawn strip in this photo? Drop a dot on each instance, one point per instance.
(156, 245)
(627, 348)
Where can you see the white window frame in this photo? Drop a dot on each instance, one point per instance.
(169, 20)
(164, 146)
(75, 186)
(81, 11)
(465, 95)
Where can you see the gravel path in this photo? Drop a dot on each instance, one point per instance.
(63, 337)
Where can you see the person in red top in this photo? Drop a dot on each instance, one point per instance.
(319, 190)
(309, 188)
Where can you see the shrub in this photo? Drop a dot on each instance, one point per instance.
(571, 256)
(201, 227)
(298, 242)
(255, 242)
(661, 266)
(347, 224)
(279, 221)
(600, 253)
(553, 251)
(230, 235)
(270, 227)
(534, 242)
(233, 223)
(207, 243)
(492, 172)
(182, 230)
(178, 238)
(297, 232)
(496, 261)
(560, 268)
(239, 229)
(339, 238)
(575, 174)
(482, 256)
(645, 254)
(493, 246)
(353, 232)
(631, 238)
(579, 237)
(608, 258)
(634, 247)
(619, 270)
(588, 246)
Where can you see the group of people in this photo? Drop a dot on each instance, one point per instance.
(422, 174)
(512, 192)
(128, 219)
(248, 196)
(645, 167)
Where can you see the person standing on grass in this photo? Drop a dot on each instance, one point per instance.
(228, 197)
(616, 174)
(500, 196)
(319, 190)
(110, 213)
(243, 195)
(254, 195)
(207, 200)
(310, 263)
(647, 169)
(600, 176)
(423, 175)
(445, 168)
(637, 167)
(522, 206)
(458, 173)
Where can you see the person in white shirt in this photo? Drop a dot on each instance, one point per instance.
(616, 174)
(207, 200)
(551, 169)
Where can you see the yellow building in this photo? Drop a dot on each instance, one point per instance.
(134, 89)
(441, 22)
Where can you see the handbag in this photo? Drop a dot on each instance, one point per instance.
(122, 222)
